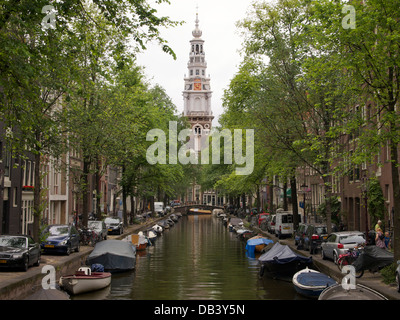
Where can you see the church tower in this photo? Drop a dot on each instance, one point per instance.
(197, 91)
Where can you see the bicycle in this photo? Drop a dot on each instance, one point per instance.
(88, 237)
(349, 257)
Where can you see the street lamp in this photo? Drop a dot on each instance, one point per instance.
(364, 191)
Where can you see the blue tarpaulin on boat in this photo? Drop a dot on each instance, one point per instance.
(314, 279)
(252, 243)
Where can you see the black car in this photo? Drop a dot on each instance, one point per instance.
(61, 238)
(114, 225)
(18, 251)
(315, 234)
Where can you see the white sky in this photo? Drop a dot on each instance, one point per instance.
(222, 38)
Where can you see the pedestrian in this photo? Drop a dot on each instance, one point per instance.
(387, 240)
(379, 239)
(378, 225)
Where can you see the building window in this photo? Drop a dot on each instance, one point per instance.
(197, 72)
(15, 193)
(191, 72)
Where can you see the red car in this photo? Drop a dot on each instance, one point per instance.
(262, 217)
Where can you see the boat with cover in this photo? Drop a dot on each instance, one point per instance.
(280, 260)
(85, 280)
(311, 283)
(114, 255)
(256, 244)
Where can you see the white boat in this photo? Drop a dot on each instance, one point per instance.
(311, 283)
(84, 280)
(157, 228)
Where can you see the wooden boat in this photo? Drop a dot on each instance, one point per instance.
(281, 261)
(199, 211)
(140, 241)
(311, 283)
(84, 280)
(360, 292)
(114, 255)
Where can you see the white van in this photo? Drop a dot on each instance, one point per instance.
(283, 224)
(159, 207)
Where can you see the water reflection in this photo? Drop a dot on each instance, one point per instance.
(198, 258)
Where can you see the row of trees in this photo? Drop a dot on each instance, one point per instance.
(72, 83)
(319, 84)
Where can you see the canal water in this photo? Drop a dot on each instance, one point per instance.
(196, 259)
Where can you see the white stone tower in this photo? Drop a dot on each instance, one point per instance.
(197, 91)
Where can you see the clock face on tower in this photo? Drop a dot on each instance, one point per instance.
(197, 86)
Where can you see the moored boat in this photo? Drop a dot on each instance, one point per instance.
(157, 228)
(151, 235)
(256, 244)
(281, 261)
(199, 211)
(85, 280)
(114, 255)
(360, 292)
(311, 283)
(140, 241)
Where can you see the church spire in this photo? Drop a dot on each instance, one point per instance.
(197, 32)
(197, 91)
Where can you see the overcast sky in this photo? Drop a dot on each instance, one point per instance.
(222, 44)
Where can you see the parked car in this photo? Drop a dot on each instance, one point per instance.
(271, 224)
(300, 234)
(314, 236)
(262, 217)
(18, 251)
(283, 224)
(338, 243)
(60, 238)
(100, 228)
(114, 225)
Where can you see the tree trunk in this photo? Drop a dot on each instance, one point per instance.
(295, 208)
(37, 200)
(285, 201)
(85, 192)
(396, 199)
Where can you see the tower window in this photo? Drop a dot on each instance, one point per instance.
(197, 130)
(191, 72)
(202, 72)
(197, 72)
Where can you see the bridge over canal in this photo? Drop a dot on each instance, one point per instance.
(185, 209)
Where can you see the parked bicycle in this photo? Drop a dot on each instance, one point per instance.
(349, 258)
(88, 237)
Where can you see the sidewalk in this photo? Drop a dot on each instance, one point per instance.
(371, 280)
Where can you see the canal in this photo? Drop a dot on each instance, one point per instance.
(196, 259)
